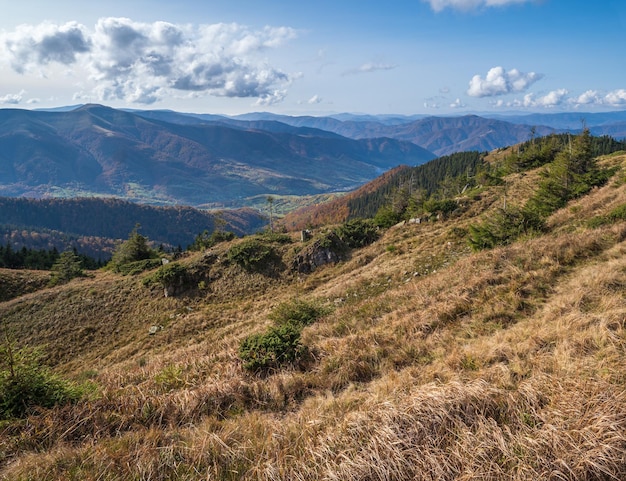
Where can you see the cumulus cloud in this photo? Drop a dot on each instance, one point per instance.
(589, 97)
(552, 99)
(29, 47)
(465, 5)
(616, 98)
(12, 99)
(501, 82)
(560, 97)
(143, 62)
(316, 99)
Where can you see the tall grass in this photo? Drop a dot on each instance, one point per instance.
(435, 364)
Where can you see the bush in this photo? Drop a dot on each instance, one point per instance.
(280, 345)
(25, 385)
(251, 254)
(616, 215)
(277, 237)
(277, 347)
(386, 217)
(503, 228)
(169, 274)
(137, 267)
(442, 206)
(357, 233)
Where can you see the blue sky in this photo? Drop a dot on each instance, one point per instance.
(436, 57)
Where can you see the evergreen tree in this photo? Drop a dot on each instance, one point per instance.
(134, 249)
(67, 267)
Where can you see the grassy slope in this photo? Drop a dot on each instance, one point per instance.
(435, 363)
(14, 283)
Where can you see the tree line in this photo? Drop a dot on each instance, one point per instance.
(40, 259)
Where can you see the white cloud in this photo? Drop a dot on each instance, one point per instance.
(316, 99)
(560, 97)
(439, 5)
(12, 99)
(589, 97)
(501, 82)
(616, 98)
(550, 100)
(29, 47)
(457, 104)
(143, 62)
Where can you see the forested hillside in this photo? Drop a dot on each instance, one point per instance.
(94, 224)
(402, 192)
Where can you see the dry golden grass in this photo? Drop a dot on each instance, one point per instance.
(435, 363)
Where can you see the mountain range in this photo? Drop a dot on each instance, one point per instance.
(171, 158)
(96, 150)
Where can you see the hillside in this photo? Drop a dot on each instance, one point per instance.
(96, 150)
(423, 359)
(366, 201)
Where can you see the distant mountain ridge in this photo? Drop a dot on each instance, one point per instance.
(96, 150)
(440, 135)
(165, 157)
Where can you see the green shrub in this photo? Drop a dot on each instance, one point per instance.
(357, 233)
(26, 385)
(169, 274)
(503, 228)
(251, 254)
(137, 267)
(277, 347)
(443, 206)
(277, 237)
(386, 217)
(134, 249)
(280, 345)
(170, 377)
(616, 215)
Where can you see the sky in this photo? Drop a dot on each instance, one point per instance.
(432, 57)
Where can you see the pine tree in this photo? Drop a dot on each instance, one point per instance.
(136, 248)
(67, 267)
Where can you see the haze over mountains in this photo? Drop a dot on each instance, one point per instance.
(203, 160)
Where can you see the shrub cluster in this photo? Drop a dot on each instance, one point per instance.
(251, 254)
(357, 233)
(168, 275)
(616, 215)
(134, 255)
(572, 173)
(26, 385)
(280, 345)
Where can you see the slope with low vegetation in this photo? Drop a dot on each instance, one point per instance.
(408, 356)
